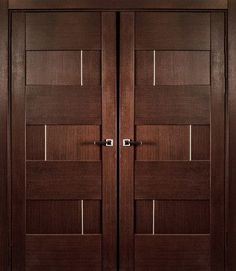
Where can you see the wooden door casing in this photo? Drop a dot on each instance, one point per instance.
(63, 186)
(172, 84)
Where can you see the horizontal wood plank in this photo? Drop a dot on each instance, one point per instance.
(63, 105)
(163, 142)
(120, 4)
(63, 31)
(182, 217)
(172, 105)
(35, 142)
(53, 216)
(63, 252)
(71, 142)
(172, 31)
(63, 180)
(172, 180)
(63, 68)
(172, 252)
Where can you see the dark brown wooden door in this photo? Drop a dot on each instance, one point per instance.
(172, 90)
(63, 99)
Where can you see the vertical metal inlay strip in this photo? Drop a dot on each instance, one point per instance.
(153, 217)
(190, 142)
(82, 217)
(45, 142)
(154, 67)
(81, 68)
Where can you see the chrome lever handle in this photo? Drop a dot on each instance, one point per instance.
(105, 142)
(129, 142)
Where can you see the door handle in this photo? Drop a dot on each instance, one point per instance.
(129, 142)
(105, 142)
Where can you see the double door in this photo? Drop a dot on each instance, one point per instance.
(117, 141)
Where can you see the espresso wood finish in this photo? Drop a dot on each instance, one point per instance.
(126, 187)
(120, 4)
(61, 252)
(59, 193)
(4, 141)
(178, 182)
(64, 98)
(49, 105)
(231, 140)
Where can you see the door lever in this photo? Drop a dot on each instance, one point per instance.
(105, 142)
(129, 142)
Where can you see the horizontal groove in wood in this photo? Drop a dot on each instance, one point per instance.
(172, 31)
(63, 252)
(63, 180)
(174, 252)
(64, 31)
(172, 180)
(63, 105)
(172, 104)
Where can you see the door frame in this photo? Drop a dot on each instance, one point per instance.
(120, 5)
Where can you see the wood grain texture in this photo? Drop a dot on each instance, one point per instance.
(63, 180)
(92, 68)
(217, 141)
(172, 180)
(68, 142)
(172, 104)
(53, 217)
(18, 142)
(172, 31)
(63, 31)
(109, 130)
(172, 252)
(182, 217)
(144, 63)
(120, 5)
(182, 68)
(200, 142)
(126, 111)
(63, 105)
(63, 253)
(162, 142)
(4, 140)
(35, 142)
(144, 216)
(92, 216)
(231, 115)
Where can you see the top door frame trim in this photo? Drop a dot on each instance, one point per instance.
(142, 5)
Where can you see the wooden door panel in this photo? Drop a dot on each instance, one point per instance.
(63, 68)
(63, 31)
(172, 104)
(64, 188)
(35, 142)
(161, 250)
(56, 252)
(172, 180)
(50, 105)
(168, 31)
(173, 68)
(63, 180)
(53, 217)
(163, 142)
(67, 142)
(172, 100)
(92, 216)
(200, 142)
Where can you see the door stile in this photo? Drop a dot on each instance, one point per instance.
(18, 137)
(109, 130)
(217, 141)
(126, 184)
